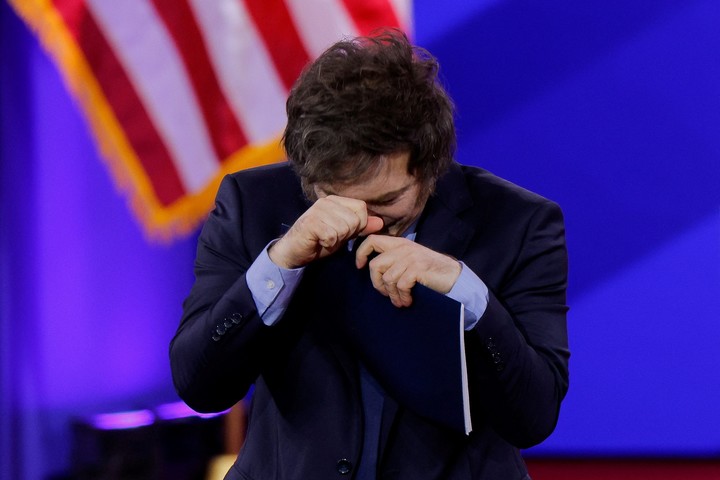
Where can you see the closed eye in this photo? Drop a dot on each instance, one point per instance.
(384, 203)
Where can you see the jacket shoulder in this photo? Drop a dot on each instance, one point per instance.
(485, 187)
(276, 175)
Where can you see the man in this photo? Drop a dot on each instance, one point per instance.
(370, 139)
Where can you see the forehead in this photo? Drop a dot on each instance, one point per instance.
(391, 177)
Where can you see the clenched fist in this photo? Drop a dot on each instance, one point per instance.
(324, 228)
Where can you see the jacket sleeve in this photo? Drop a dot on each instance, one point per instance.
(218, 348)
(518, 368)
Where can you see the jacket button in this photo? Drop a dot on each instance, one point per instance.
(344, 466)
(235, 318)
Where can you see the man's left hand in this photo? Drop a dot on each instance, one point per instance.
(402, 263)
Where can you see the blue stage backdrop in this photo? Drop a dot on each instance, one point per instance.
(611, 108)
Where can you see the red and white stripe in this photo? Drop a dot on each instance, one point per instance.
(192, 82)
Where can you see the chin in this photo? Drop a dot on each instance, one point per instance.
(394, 230)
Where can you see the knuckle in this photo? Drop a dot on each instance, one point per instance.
(328, 236)
(322, 201)
(405, 285)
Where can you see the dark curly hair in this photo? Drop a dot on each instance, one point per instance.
(365, 98)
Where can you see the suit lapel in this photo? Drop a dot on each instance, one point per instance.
(441, 227)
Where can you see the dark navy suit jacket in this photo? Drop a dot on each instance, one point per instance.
(306, 418)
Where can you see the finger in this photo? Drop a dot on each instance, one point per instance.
(340, 205)
(374, 224)
(376, 275)
(366, 248)
(388, 278)
(328, 236)
(400, 297)
(398, 283)
(358, 206)
(340, 216)
(404, 286)
(392, 293)
(324, 226)
(333, 230)
(317, 227)
(358, 219)
(375, 243)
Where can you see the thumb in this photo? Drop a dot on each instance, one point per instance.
(374, 224)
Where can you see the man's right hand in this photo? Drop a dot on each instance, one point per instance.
(323, 229)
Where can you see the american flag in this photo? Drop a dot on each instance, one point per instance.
(178, 93)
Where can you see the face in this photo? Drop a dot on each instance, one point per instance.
(390, 193)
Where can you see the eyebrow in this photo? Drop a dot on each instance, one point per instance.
(386, 197)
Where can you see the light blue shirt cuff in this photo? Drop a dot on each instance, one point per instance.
(472, 293)
(272, 287)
